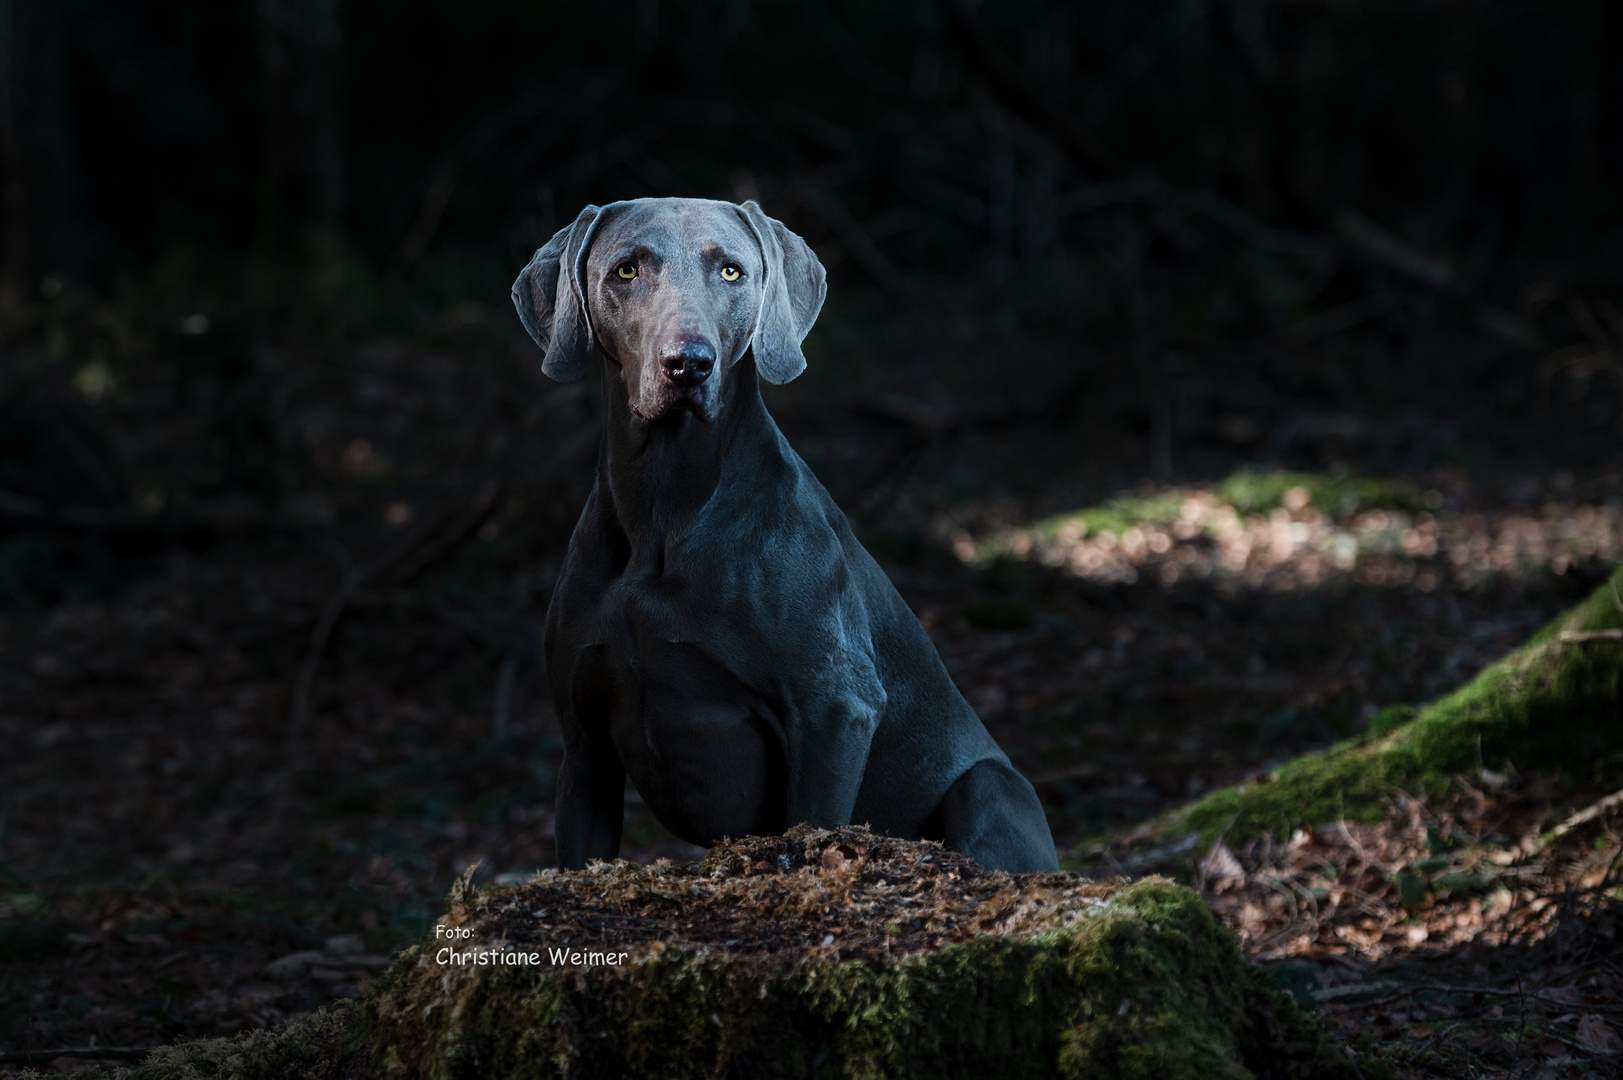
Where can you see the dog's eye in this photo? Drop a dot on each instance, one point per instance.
(626, 270)
(730, 272)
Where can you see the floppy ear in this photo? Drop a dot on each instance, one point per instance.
(551, 300)
(793, 295)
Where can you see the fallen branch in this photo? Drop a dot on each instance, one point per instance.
(1385, 248)
(1399, 989)
(1614, 634)
(299, 711)
(1110, 193)
(1574, 637)
(1337, 320)
(233, 516)
(107, 1053)
(1581, 818)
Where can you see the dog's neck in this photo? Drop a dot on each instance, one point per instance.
(658, 475)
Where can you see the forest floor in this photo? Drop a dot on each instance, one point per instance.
(191, 845)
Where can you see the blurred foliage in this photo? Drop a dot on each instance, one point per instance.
(1475, 129)
(1339, 493)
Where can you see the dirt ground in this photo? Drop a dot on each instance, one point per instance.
(239, 774)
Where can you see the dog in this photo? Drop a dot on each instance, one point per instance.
(717, 633)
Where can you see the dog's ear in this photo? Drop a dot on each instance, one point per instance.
(551, 299)
(793, 295)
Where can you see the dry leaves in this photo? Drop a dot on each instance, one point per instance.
(1456, 937)
(1597, 1034)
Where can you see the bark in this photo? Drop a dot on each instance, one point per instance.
(302, 166)
(39, 205)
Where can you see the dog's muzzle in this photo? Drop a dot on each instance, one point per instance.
(684, 370)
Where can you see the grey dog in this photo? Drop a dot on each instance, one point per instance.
(717, 632)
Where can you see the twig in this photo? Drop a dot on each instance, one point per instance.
(1337, 320)
(1384, 998)
(1577, 1044)
(1385, 248)
(1401, 989)
(1379, 245)
(1277, 885)
(1520, 991)
(222, 517)
(331, 612)
(1578, 637)
(1582, 817)
(1110, 193)
(502, 708)
(1333, 993)
(110, 1053)
(1423, 1047)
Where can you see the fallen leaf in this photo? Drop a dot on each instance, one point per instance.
(839, 856)
(1598, 1034)
(1221, 865)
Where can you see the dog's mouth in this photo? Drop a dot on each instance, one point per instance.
(692, 399)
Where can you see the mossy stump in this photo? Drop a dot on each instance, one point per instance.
(832, 954)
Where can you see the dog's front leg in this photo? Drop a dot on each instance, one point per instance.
(827, 738)
(591, 803)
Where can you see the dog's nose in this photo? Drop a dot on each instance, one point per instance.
(688, 363)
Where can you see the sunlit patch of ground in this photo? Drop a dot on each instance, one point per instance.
(1242, 534)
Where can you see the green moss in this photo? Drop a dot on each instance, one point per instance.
(1148, 986)
(1552, 702)
(1339, 494)
(1144, 983)
(318, 1045)
(1390, 719)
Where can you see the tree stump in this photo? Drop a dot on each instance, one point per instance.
(831, 954)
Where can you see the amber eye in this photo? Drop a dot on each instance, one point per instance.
(730, 272)
(626, 270)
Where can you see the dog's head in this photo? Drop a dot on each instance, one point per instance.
(673, 291)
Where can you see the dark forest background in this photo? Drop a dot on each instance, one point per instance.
(1058, 201)
(1313, 306)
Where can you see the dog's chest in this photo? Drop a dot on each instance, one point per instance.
(695, 740)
